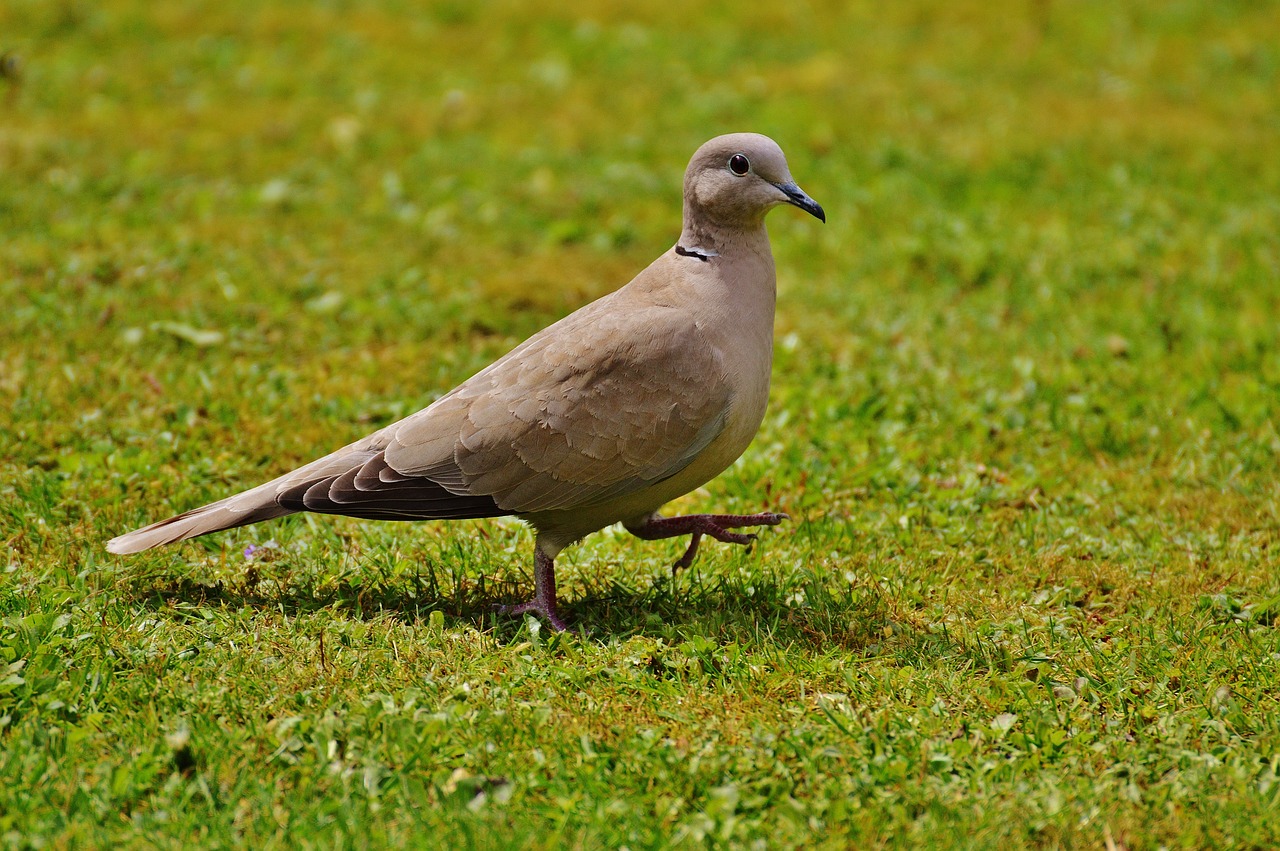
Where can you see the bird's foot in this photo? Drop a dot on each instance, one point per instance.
(696, 525)
(543, 603)
(539, 608)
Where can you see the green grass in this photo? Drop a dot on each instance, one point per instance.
(1024, 419)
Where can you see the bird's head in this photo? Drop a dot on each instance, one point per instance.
(736, 179)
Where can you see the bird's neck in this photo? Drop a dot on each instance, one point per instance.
(711, 239)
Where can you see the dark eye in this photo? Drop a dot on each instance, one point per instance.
(739, 165)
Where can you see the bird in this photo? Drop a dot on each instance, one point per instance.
(603, 417)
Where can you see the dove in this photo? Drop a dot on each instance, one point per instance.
(602, 417)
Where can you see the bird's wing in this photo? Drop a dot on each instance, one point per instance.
(358, 482)
(587, 411)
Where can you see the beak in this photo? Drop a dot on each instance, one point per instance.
(796, 195)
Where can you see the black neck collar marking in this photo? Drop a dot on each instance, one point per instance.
(700, 253)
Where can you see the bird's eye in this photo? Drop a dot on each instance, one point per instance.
(739, 165)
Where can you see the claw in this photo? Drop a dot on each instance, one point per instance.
(687, 559)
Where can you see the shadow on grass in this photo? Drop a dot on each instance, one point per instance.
(796, 610)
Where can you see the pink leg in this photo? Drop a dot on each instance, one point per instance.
(717, 526)
(544, 592)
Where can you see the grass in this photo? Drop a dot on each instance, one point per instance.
(1024, 419)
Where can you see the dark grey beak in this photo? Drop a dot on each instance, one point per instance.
(796, 195)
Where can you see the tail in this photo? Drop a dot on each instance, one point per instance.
(355, 481)
(251, 506)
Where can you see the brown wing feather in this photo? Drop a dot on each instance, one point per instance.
(364, 492)
(602, 404)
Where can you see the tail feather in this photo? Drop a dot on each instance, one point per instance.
(355, 481)
(252, 506)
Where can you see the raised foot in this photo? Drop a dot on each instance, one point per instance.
(697, 525)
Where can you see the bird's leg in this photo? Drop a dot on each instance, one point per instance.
(655, 527)
(544, 592)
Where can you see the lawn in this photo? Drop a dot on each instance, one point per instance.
(1024, 418)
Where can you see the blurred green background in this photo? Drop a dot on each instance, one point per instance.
(1024, 419)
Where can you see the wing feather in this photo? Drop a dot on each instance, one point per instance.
(581, 413)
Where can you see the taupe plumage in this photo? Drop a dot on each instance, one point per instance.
(601, 418)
